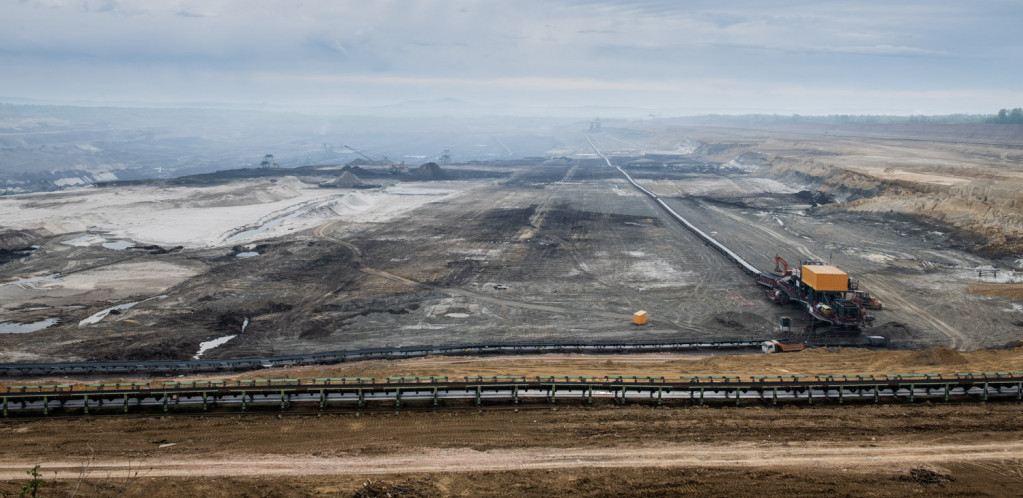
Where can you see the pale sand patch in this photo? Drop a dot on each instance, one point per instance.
(117, 281)
(207, 216)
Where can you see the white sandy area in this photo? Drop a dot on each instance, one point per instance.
(208, 345)
(656, 273)
(718, 185)
(207, 216)
(117, 281)
(876, 257)
(932, 178)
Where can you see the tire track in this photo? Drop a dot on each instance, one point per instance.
(325, 231)
(957, 339)
(787, 242)
(748, 455)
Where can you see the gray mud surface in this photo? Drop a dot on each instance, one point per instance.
(558, 249)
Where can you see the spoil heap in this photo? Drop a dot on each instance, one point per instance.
(357, 170)
(348, 180)
(429, 171)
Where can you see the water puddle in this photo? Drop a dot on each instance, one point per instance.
(208, 345)
(24, 328)
(96, 317)
(266, 226)
(247, 254)
(119, 245)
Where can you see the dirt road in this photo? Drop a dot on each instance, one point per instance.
(870, 448)
(824, 457)
(538, 450)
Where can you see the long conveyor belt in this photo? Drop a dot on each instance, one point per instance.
(395, 392)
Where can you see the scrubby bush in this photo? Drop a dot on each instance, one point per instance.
(1006, 116)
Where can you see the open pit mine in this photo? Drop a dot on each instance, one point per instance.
(906, 242)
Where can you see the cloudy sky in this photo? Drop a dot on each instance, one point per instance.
(665, 56)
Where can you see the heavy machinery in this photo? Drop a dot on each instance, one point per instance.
(776, 346)
(781, 265)
(866, 299)
(372, 161)
(399, 168)
(827, 294)
(396, 168)
(268, 162)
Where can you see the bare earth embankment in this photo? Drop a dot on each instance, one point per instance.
(537, 449)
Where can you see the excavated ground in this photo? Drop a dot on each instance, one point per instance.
(561, 248)
(547, 249)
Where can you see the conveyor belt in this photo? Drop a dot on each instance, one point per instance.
(396, 392)
(719, 247)
(762, 278)
(242, 364)
(711, 241)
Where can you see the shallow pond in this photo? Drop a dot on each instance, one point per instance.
(24, 328)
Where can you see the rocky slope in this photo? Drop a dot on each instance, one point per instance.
(966, 180)
(975, 204)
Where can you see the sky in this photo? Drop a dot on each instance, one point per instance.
(657, 57)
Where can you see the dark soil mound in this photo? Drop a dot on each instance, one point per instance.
(429, 171)
(356, 170)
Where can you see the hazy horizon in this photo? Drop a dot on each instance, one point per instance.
(566, 57)
(463, 109)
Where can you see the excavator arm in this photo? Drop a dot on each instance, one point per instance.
(780, 263)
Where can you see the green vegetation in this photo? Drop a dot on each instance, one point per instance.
(1006, 116)
(843, 119)
(32, 488)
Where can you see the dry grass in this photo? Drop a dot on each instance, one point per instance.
(671, 366)
(1012, 292)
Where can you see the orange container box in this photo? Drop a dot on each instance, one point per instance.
(825, 278)
(639, 318)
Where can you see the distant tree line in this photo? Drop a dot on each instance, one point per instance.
(1006, 116)
(843, 119)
